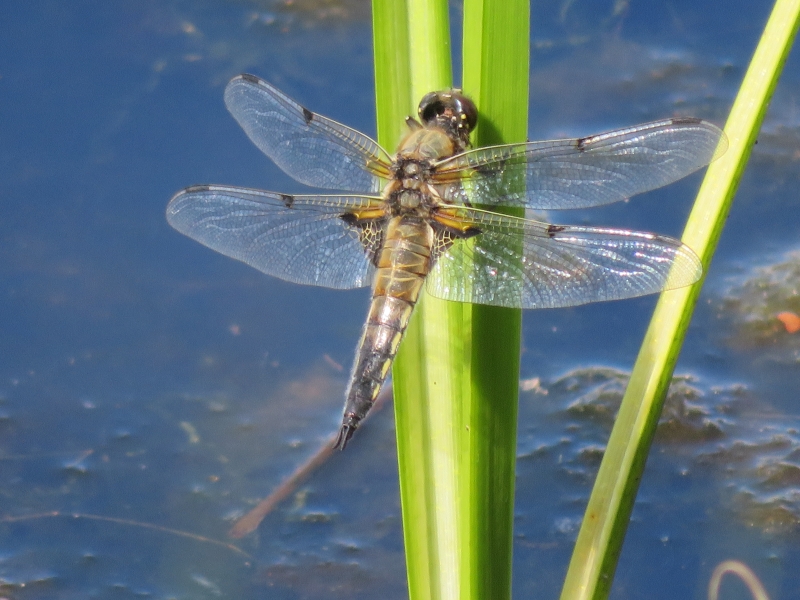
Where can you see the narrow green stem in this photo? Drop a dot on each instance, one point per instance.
(599, 543)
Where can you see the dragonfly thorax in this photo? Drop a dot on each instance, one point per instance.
(406, 190)
(404, 196)
(409, 199)
(410, 169)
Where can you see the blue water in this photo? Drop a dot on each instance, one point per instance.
(151, 391)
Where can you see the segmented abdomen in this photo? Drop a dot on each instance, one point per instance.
(403, 263)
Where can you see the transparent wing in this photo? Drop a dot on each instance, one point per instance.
(311, 148)
(302, 239)
(582, 172)
(520, 263)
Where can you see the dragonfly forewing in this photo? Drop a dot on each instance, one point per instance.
(312, 149)
(582, 172)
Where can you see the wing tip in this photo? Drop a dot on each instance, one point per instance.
(174, 204)
(686, 121)
(247, 78)
(192, 189)
(241, 82)
(687, 269)
(716, 135)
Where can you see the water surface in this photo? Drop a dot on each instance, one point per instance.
(151, 391)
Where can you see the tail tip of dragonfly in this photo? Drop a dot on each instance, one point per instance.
(345, 433)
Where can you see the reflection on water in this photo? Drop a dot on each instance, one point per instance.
(684, 418)
(748, 452)
(650, 82)
(753, 306)
(286, 14)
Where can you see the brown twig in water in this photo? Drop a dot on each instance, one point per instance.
(36, 455)
(250, 522)
(130, 522)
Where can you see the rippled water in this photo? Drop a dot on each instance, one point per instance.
(153, 392)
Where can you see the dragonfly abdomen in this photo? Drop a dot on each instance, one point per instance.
(403, 263)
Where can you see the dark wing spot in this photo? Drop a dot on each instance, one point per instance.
(445, 237)
(371, 237)
(552, 230)
(193, 189)
(686, 121)
(307, 115)
(491, 169)
(287, 200)
(581, 143)
(250, 78)
(349, 218)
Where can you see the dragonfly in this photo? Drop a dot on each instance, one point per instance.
(428, 215)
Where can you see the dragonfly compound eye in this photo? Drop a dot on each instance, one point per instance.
(449, 108)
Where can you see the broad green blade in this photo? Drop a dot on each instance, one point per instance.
(496, 66)
(456, 427)
(599, 543)
(412, 58)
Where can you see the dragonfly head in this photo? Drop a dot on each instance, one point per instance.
(451, 111)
